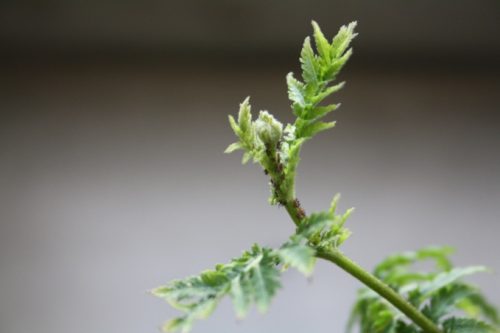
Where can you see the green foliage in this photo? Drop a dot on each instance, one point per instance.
(254, 277)
(246, 133)
(319, 69)
(298, 254)
(250, 279)
(440, 294)
(264, 140)
(325, 230)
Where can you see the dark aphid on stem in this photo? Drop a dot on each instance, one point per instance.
(280, 167)
(300, 211)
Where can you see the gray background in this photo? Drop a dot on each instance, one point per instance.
(113, 180)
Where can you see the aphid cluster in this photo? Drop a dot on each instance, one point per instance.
(301, 213)
(278, 179)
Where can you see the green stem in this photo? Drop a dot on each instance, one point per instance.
(287, 196)
(292, 211)
(339, 259)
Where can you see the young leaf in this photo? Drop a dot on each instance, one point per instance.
(342, 40)
(298, 255)
(466, 325)
(232, 147)
(296, 92)
(322, 44)
(310, 67)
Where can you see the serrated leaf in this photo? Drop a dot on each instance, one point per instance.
(295, 90)
(342, 39)
(466, 325)
(440, 292)
(320, 111)
(445, 278)
(251, 278)
(327, 92)
(265, 283)
(245, 115)
(316, 222)
(309, 63)
(445, 300)
(314, 128)
(298, 256)
(338, 64)
(397, 261)
(241, 296)
(322, 44)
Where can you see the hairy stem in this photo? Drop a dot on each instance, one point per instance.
(283, 192)
(339, 259)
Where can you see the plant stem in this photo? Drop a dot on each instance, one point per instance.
(297, 214)
(292, 211)
(339, 259)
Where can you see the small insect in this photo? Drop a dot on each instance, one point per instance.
(301, 213)
(296, 203)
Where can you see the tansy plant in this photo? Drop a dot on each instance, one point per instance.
(397, 298)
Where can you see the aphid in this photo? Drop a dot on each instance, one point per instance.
(301, 213)
(296, 203)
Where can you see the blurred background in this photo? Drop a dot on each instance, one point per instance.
(114, 120)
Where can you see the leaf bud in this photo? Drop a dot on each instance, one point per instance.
(268, 129)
